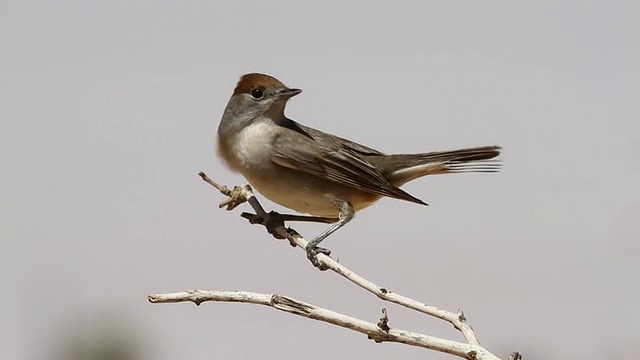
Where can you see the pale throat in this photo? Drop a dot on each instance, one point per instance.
(252, 145)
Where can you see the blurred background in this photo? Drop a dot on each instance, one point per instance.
(109, 110)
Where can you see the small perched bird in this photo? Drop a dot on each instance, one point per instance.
(317, 173)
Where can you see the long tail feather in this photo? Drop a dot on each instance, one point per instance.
(401, 168)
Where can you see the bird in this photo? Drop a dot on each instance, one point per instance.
(317, 173)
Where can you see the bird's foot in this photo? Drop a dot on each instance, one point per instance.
(271, 221)
(312, 255)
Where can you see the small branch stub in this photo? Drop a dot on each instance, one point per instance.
(383, 324)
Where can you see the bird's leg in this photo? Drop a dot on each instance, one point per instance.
(306, 218)
(272, 220)
(346, 213)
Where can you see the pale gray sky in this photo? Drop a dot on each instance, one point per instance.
(109, 109)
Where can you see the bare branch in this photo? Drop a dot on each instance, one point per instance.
(296, 307)
(274, 223)
(458, 320)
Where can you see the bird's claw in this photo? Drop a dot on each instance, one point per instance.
(312, 255)
(272, 221)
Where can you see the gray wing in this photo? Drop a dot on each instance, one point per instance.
(349, 145)
(337, 161)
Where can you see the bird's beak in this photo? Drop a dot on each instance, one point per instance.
(288, 93)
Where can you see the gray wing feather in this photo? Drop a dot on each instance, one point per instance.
(342, 165)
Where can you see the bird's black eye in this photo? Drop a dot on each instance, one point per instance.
(257, 94)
